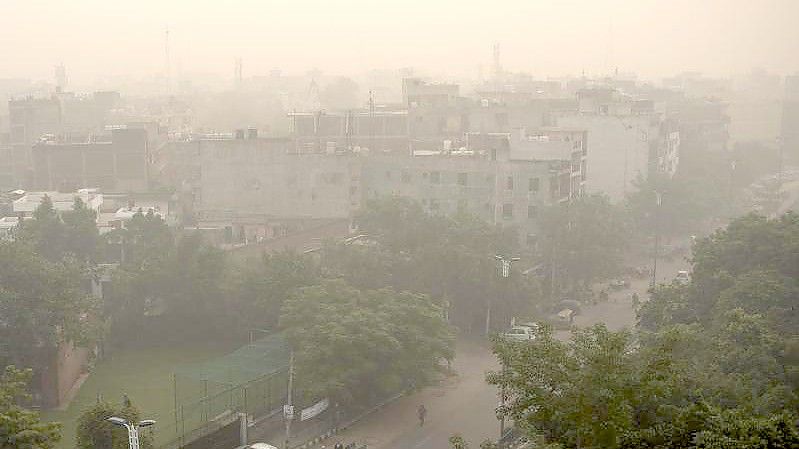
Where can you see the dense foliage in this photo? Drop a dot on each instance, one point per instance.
(55, 235)
(715, 363)
(164, 284)
(20, 427)
(584, 240)
(358, 345)
(450, 258)
(42, 303)
(95, 432)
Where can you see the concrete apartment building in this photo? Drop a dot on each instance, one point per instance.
(379, 130)
(502, 178)
(115, 162)
(255, 188)
(63, 115)
(628, 139)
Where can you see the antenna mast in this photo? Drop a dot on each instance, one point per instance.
(167, 64)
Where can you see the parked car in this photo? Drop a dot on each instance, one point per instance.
(683, 277)
(257, 446)
(566, 316)
(519, 333)
(618, 284)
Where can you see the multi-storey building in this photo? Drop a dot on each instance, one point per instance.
(118, 162)
(256, 188)
(629, 139)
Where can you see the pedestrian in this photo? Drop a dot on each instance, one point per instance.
(421, 412)
(338, 445)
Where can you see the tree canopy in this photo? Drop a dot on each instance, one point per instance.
(21, 428)
(357, 345)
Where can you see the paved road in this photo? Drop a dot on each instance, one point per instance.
(465, 404)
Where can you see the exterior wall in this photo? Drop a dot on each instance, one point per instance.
(29, 118)
(381, 131)
(264, 178)
(66, 365)
(618, 151)
(511, 193)
(754, 119)
(258, 188)
(7, 177)
(117, 166)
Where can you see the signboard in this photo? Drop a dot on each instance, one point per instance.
(314, 410)
(288, 411)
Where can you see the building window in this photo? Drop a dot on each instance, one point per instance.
(463, 179)
(534, 184)
(406, 177)
(509, 183)
(435, 177)
(507, 211)
(532, 211)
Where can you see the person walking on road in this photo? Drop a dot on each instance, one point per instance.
(421, 412)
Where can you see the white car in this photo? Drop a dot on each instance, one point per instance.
(683, 277)
(257, 446)
(520, 333)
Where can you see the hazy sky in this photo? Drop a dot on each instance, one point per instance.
(97, 38)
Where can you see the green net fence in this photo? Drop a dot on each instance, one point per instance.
(250, 380)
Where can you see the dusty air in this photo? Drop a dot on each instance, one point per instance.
(399, 225)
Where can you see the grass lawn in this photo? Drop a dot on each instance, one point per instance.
(145, 375)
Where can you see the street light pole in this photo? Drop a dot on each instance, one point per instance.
(659, 200)
(133, 429)
(504, 272)
(289, 408)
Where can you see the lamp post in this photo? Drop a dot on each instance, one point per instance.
(133, 429)
(504, 273)
(659, 202)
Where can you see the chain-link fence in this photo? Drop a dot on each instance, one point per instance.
(209, 395)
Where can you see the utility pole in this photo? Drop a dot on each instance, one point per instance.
(371, 120)
(659, 202)
(504, 273)
(781, 143)
(288, 409)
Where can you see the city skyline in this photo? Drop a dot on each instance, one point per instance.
(100, 41)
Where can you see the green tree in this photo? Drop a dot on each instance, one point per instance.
(42, 303)
(144, 240)
(448, 258)
(355, 346)
(260, 287)
(57, 235)
(95, 432)
(583, 240)
(81, 237)
(21, 428)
